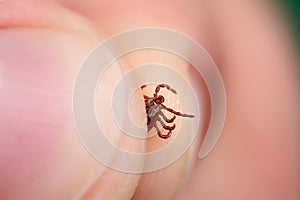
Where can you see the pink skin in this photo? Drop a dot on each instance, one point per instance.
(257, 156)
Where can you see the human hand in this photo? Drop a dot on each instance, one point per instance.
(42, 46)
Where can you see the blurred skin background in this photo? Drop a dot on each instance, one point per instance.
(291, 9)
(43, 43)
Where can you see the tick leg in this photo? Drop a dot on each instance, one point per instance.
(165, 117)
(143, 86)
(161, 135)
(148, 120)
(163, 86)
(177, 113)
(146, 97)
(170, 128)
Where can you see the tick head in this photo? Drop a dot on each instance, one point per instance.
(159, 100)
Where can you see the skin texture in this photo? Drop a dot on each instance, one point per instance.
(42, 46)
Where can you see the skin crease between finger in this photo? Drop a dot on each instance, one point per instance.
(254, 53)
(42, 157)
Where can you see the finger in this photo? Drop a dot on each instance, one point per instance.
(260, 140)
(42, 47)
(119, 16)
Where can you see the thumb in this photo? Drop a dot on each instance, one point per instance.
(42, 46)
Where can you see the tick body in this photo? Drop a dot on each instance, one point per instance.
(154, 108)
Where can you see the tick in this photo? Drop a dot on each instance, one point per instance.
(154, 109)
